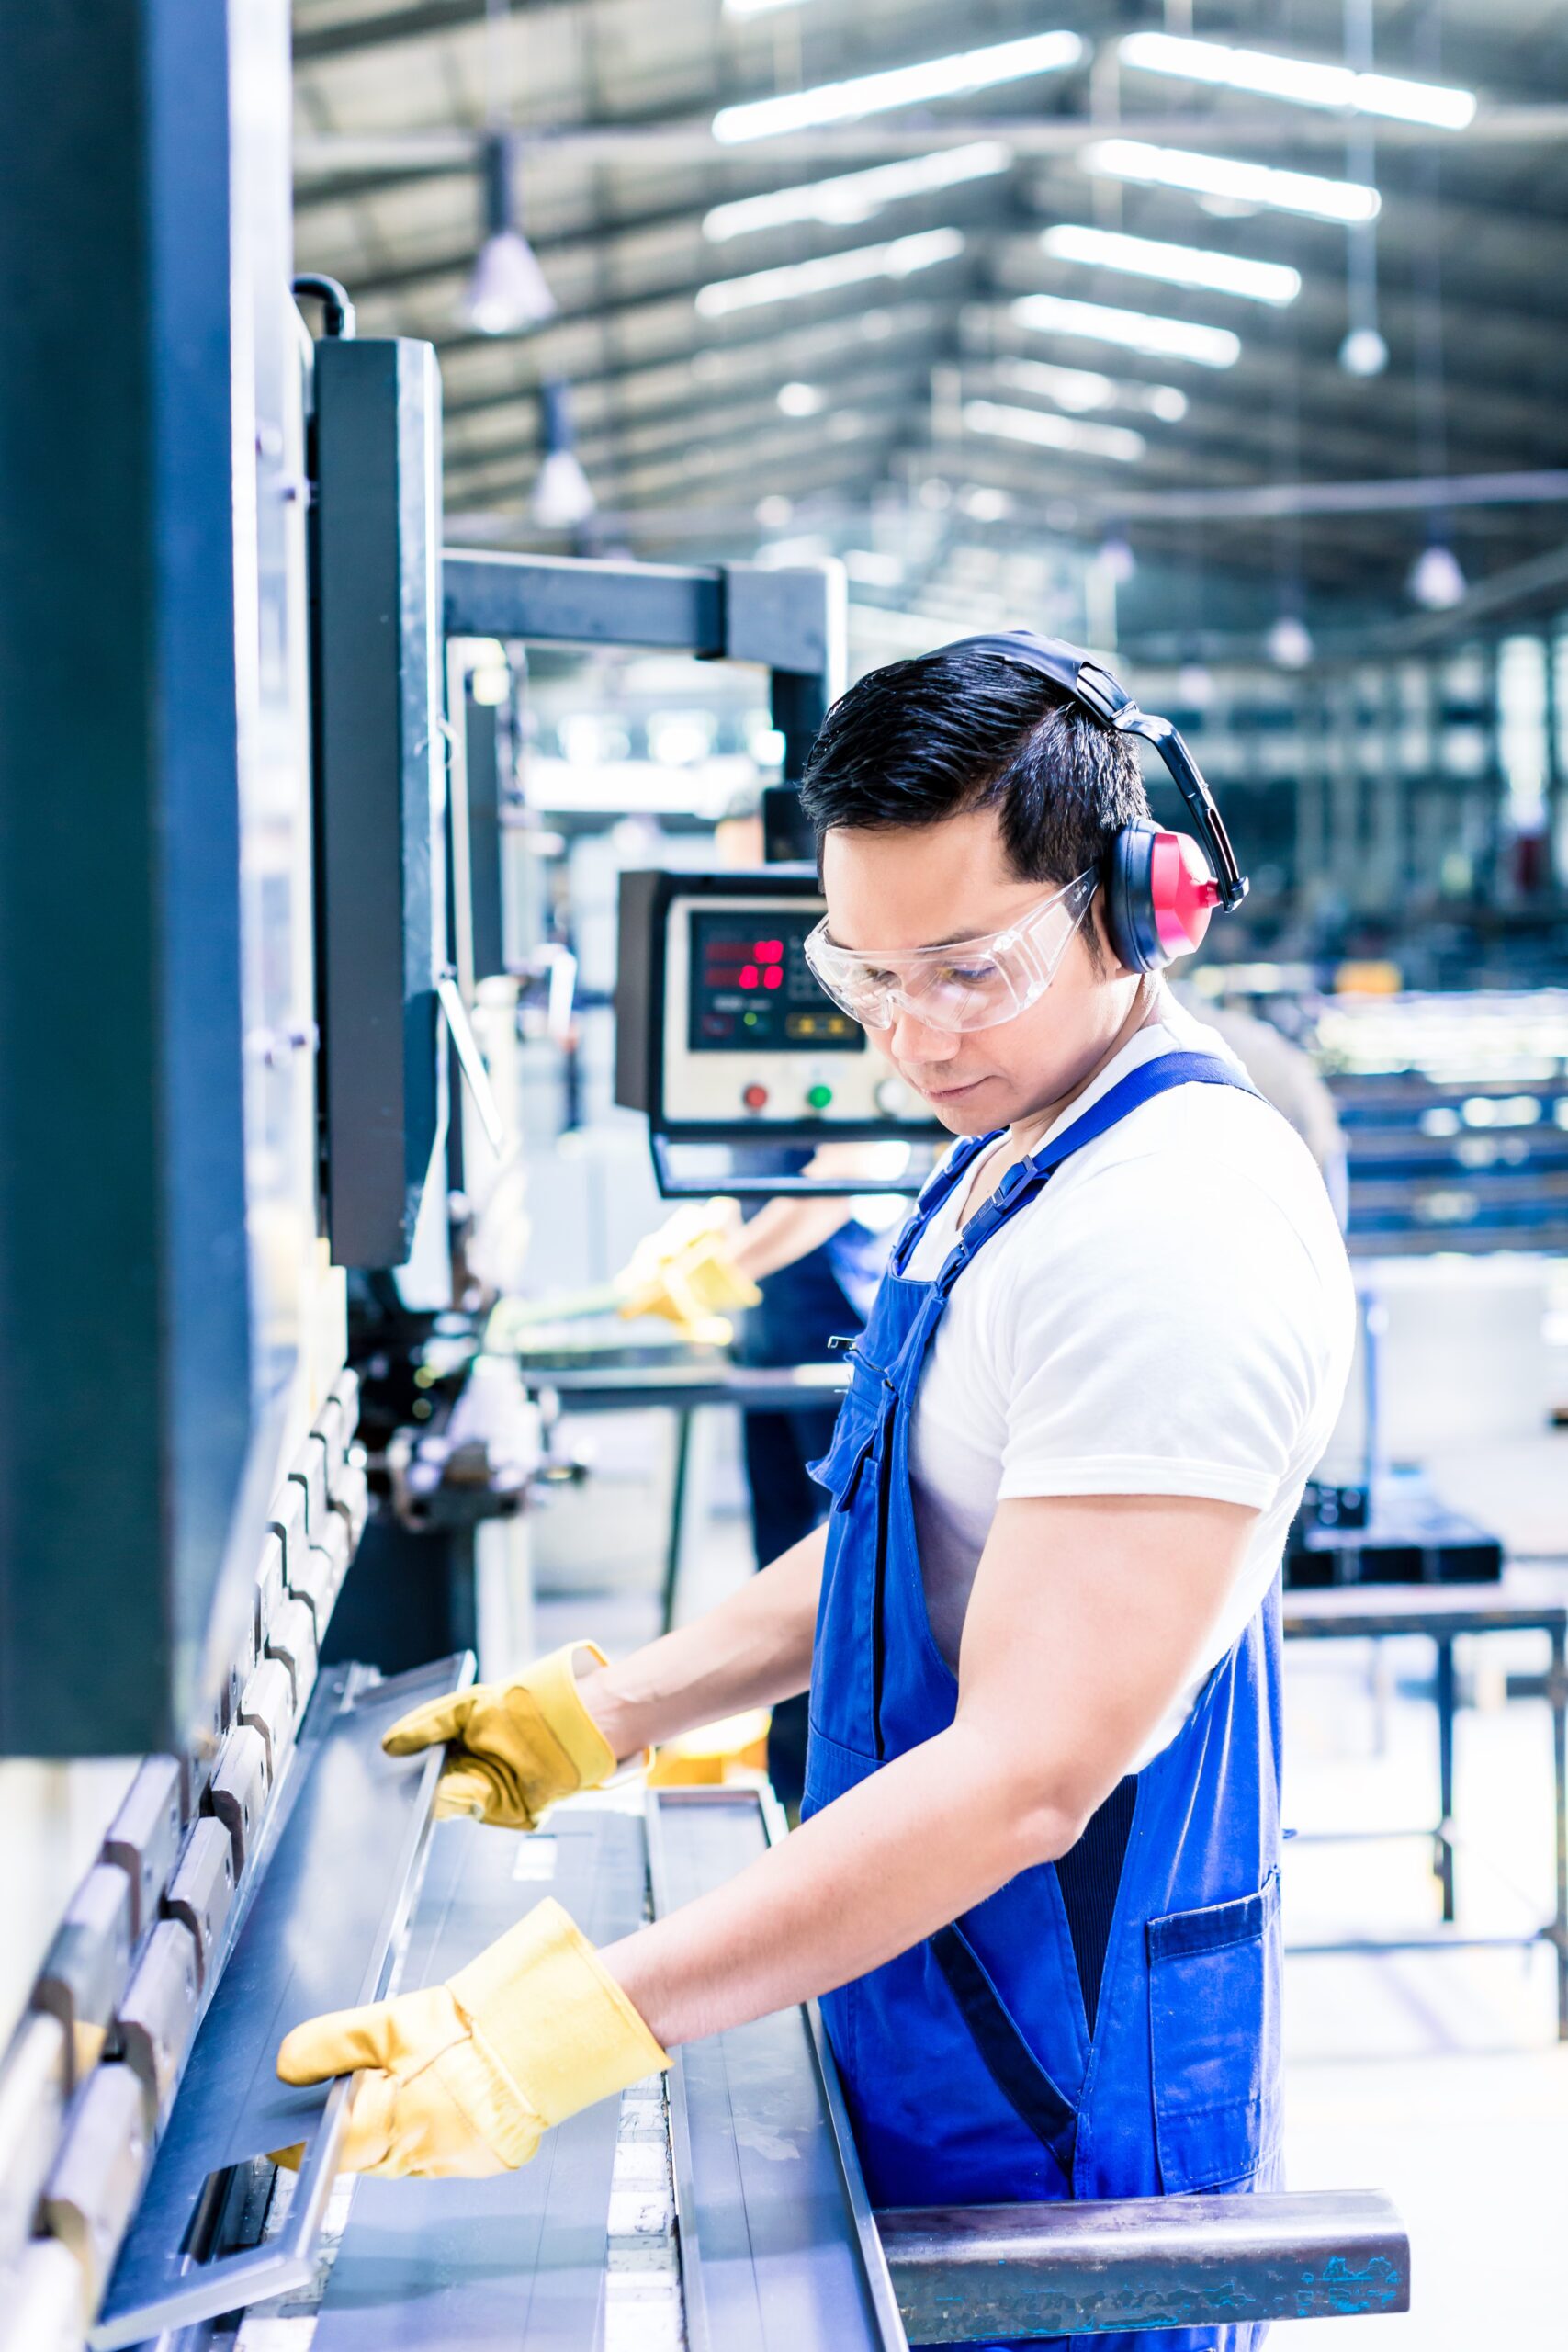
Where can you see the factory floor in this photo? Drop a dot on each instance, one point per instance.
(1436, 2077)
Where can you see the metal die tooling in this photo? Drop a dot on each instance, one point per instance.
(351, 1829)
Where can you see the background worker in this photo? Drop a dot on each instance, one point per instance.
(798, 1272)
(1038, 1881)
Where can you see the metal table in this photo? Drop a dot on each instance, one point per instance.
(688, 1380)
(1526, 1600)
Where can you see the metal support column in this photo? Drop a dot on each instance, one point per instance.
(1448, 1702)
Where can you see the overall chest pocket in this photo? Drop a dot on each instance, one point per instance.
(854, 1435)
(1215, 2038)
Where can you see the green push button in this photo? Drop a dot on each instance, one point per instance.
(819, 1097)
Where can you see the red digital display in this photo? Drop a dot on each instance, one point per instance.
(760, 992)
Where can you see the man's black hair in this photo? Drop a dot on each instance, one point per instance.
(928, 738)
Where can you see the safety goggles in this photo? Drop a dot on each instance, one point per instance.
(970, 984)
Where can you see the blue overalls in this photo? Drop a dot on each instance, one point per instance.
(1106, 2026)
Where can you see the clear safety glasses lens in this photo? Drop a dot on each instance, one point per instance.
(976, 984)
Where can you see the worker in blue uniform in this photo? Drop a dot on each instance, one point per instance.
(1037, 1881)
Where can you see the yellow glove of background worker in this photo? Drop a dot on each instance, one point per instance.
(687, 1271)
(465, 2078)
(516, 1746)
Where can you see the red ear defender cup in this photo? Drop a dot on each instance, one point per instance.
(1160, 896)
(1184, 892)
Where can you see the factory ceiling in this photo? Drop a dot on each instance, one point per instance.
(735, 334)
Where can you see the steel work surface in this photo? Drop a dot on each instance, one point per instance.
(779, 2252)
(494, 2265)
(327, 1899)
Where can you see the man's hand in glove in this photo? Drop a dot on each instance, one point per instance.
(465, 2078)
(515, 1747)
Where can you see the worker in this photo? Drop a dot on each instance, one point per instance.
(1036, 1887)
(800, 1272)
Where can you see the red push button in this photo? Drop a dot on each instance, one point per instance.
(755, 1097)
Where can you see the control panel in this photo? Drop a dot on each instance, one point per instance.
(723, 1033)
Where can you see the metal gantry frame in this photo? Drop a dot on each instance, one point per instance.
(790, 621)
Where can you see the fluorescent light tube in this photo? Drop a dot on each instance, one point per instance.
(897, 258)
(1256, 281)
(1044, 431)
(1301, 80)
(852, 196)
(1135, 330)
(902, 85)
(1227, 176)
(1077, 388)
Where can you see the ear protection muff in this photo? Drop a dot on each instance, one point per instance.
(1160, 887)
(1159, 894)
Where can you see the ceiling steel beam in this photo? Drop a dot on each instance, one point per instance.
(689, 140)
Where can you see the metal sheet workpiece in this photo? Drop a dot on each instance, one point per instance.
(779, 2249)
(329, 1894)
(970, 2274)
(519, 2260)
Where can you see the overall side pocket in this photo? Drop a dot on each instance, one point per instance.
(1215, 2038)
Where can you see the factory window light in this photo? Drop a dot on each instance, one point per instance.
(801, 400)
(1523, 744)
(679, 739)
(1255, 281)
(1135, 330)
(1077, 389)
(1301, 80)
(897, 258)
(982, 504)
(901, 86)
(874, 567)
(507, 292)
(851, 198)
(1232, 180)
(1044, 431)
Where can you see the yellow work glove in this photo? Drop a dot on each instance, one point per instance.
(465, 2078)
(516, 1746)
(686, 1273)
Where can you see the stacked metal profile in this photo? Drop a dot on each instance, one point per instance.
(1455, 1111)
(88, 2082)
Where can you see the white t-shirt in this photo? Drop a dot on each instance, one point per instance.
(1173, 1314)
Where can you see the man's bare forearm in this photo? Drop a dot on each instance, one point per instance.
(1072, 1651)
(919, 1843)
(751, 1651)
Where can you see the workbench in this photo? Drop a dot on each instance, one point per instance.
(720, 2209)
(680, 1380)
(1526, 1600)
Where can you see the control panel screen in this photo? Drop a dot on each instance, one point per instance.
(752, 988)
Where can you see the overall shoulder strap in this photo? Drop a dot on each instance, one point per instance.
(1025, 1178)
(937, 1188)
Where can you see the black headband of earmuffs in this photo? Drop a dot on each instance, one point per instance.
(1078, 675)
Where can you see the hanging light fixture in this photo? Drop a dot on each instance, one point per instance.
(1289, 642)
(563, 496)
(1437, 580)
(1364, 352)
(507, 292)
